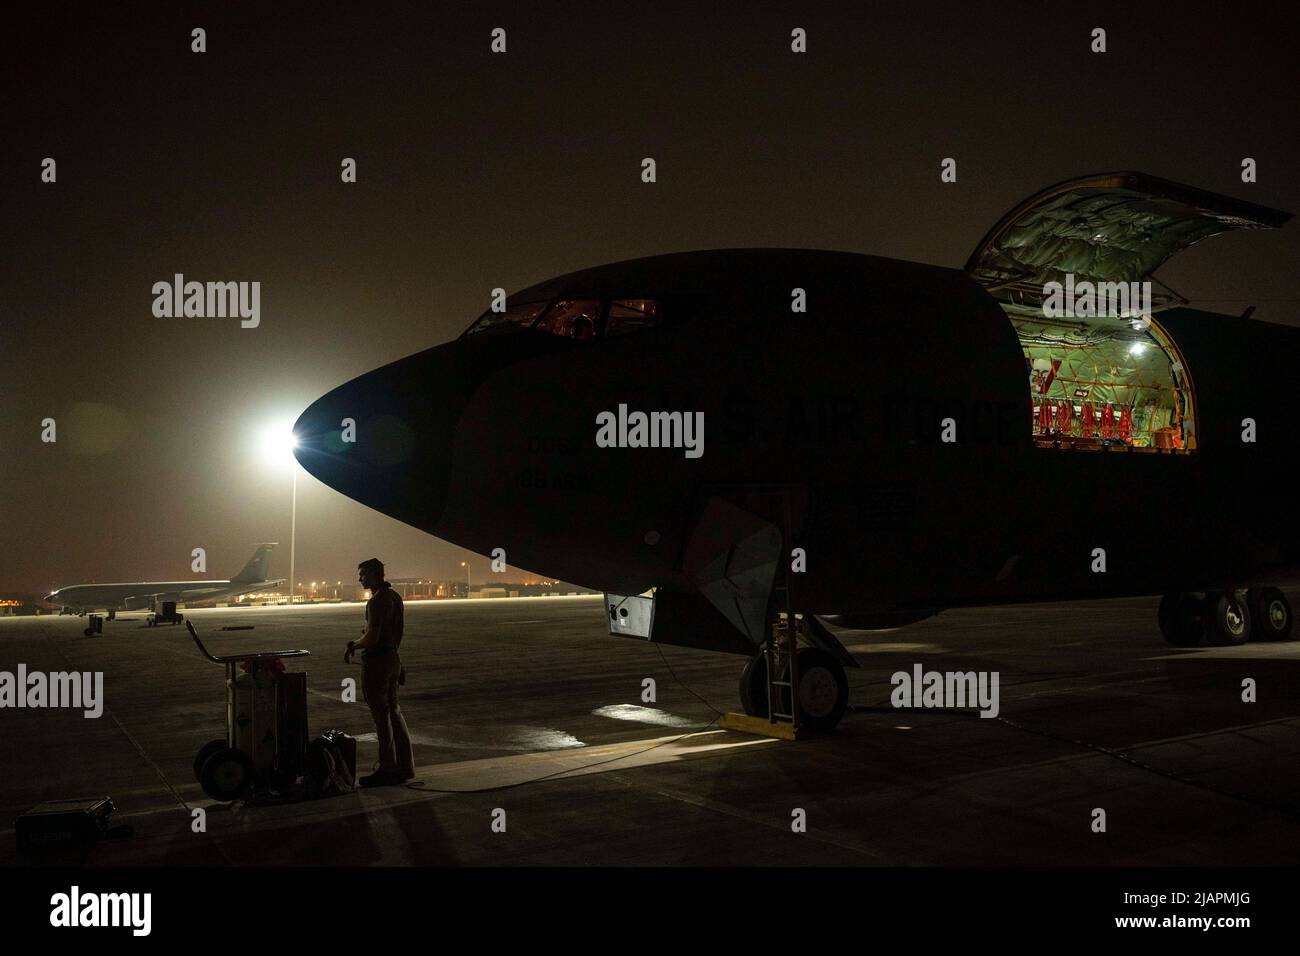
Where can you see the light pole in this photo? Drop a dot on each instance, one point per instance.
(465, 565)
(277, 442)
(293, 525)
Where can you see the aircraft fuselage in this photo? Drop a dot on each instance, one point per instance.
(491, 441)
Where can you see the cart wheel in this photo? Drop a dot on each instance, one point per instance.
(227, 775)
(206, 751)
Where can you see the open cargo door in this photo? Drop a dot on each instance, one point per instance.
(1110, 227)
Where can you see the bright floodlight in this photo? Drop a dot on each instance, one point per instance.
(276, 443)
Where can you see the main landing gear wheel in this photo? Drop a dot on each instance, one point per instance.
(227, 775)
(1181, 620)
(1227, 618)
(206, 751)
(1272, 614)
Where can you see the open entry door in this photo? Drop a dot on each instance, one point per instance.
(1110, 227)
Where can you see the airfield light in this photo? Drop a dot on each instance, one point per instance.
(276, 443)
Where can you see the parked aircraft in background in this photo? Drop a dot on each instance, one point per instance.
(151, 595)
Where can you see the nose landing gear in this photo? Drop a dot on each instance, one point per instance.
(823, 687)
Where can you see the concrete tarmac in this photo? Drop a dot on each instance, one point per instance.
(531, 703)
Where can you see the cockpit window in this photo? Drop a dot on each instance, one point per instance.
(572, 318)
(522, 316)
(631, 315)
(580, 319)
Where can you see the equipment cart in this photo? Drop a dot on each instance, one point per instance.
(266, 725)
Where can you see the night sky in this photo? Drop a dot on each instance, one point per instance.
(478, 170)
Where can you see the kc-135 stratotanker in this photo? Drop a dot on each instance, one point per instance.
(919, 438)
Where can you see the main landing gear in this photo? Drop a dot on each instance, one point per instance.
(796, 684)
(1225, 618)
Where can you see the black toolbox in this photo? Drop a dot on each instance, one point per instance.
(63, 823)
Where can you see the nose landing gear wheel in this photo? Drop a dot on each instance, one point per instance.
(1272, 614)
(823, 689)
(753, 687)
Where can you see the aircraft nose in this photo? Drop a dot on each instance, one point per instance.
(385, 438)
